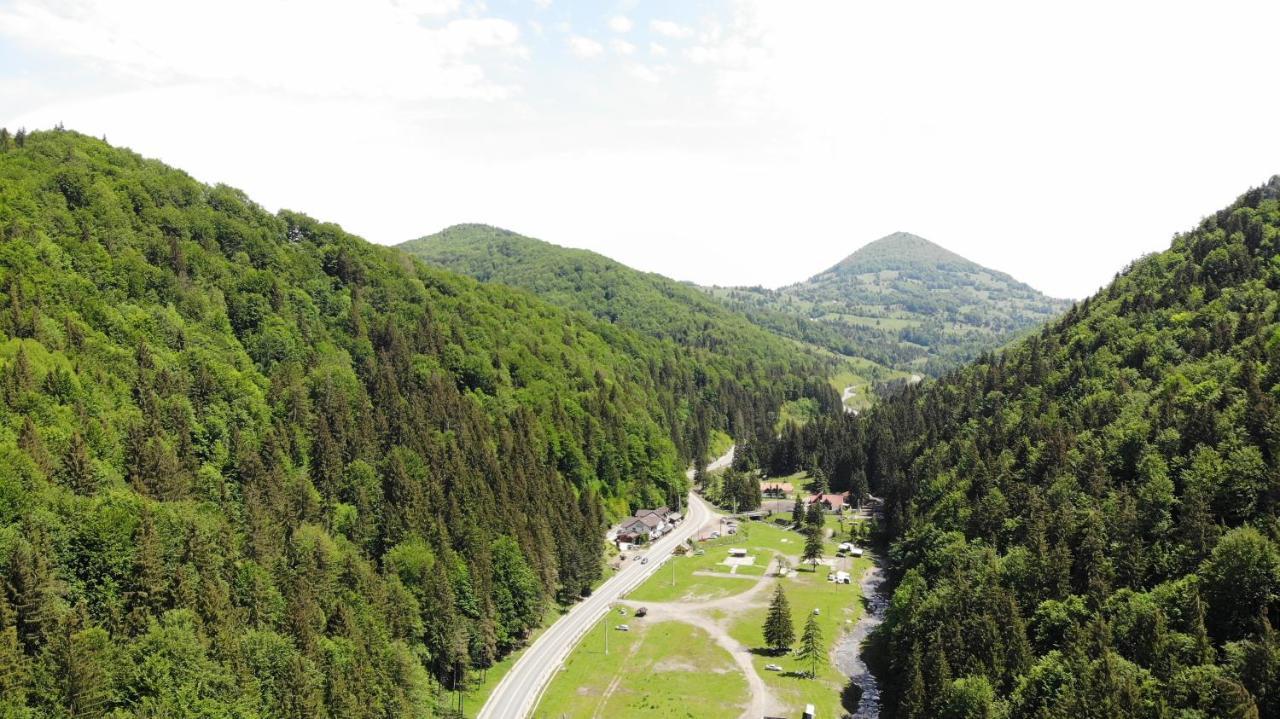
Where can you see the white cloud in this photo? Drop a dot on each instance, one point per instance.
(542, 4)
(585, 47)
(620, 23)
(983, 127)
(622, 47)
(670, 29)
(370, 49)
(429, 7)
(643, 73)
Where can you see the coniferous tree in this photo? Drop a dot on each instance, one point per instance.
(812, 651)
(812, 547)
(779, 630)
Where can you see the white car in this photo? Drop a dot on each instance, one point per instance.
(773, 667)
(623, 628)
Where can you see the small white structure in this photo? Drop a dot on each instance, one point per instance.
(850, 548)
(843, 577)
(736, 552)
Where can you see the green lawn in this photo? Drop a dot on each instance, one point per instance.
(760, 539)
(658, 669)
(839, 606)
(579, 690)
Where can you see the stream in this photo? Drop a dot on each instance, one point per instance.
(849, 647)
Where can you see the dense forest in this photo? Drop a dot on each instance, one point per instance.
(903, 302)
(682, 323)
(253, 466)
(1085, 524)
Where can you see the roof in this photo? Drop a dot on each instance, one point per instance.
(835, 500)
(632, 524)
(651, 520)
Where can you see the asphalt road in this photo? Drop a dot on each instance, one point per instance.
(518, 692)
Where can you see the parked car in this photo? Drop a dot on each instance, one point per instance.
(773, 667)
(642, 611)
(623, 628)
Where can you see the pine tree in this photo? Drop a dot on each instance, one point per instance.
(812, 650)
(813, 516)
(77, 472)
(779, 631)
(812, 547)
(76, 655)
(797, 511)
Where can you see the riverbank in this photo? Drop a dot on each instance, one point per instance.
(849, 649)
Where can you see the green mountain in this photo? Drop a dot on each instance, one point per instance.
(683, 322)
(905, 302)
(253, 466)
(1087, 524)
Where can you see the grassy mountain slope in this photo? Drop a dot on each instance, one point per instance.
(683, 321)
(1088, 524)
(253, 466)
(906, 302)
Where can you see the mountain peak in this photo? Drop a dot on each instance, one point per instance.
(899, 250)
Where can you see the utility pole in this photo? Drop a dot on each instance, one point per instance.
(606, 631)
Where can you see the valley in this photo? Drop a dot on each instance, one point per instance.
(252, 465)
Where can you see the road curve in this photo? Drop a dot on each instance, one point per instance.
(518, 692)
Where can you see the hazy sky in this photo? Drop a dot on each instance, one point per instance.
(725, 141)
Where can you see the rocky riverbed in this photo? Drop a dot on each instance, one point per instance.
(848, 649)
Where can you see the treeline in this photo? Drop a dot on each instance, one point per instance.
(720, 372)
(1085, 525)
(253, 466)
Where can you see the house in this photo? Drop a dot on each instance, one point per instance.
(633, 530)
(829, 502)
(660, 520)
(778, 490)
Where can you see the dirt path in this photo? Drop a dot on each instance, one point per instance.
(699, 614)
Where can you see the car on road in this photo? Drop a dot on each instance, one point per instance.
(623, 628)
(773, 667)
(644, 560)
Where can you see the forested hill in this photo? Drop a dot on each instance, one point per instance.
(1085, 525)
(739, 358)
(253, 466)
(906, 302)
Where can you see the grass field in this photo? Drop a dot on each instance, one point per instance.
(839, 605)
(663, 669)
(674, 669)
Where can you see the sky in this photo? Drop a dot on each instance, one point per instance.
(731, 142)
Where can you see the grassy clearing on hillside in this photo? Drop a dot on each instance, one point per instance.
(719, 444)
(658, 669)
